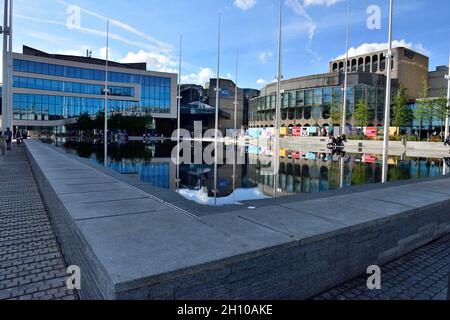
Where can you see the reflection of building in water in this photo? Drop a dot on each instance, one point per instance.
(316, 172)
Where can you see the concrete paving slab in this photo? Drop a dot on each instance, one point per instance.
(254, 233)
(156, 244)
(129, 207)
(407, 197)
(102, 196)
(294, 223)
(380, 206)
(336, 210)
(77, 189)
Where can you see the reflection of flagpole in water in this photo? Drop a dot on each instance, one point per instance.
(235, 125)
(342, 171)
(278, 106)
(105, 133)
(344, 107)
(387, 110)
(179, 115)
(217, 114)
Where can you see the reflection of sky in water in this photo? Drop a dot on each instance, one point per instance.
(238, 195)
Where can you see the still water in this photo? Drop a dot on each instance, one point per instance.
(300, 171)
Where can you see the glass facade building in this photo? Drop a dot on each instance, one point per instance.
(309, 107)
(53, 87)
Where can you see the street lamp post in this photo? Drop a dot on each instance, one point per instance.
(387, 114)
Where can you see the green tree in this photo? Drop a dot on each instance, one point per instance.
(84, 122)
(441, 108)
(335, 111)
(424, 109)
(401, 114)
(361, 114)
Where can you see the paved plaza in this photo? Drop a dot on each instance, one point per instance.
(420, 275)
(31, 265)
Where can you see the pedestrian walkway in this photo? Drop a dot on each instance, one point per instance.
(421, 275)
(31, 265)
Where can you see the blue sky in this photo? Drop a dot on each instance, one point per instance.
(314, 33)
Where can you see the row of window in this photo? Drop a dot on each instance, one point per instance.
(72, 87)
(87, 74)
(45, 107)
(318, 103)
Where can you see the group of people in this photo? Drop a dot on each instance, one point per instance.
(337, 141)
(6, 139)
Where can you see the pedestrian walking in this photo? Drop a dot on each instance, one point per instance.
(9, 136)
(2, 144)
(19, 137)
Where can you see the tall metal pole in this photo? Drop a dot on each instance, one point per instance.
(7, 64)
(278, 103)
(106, 96)
(387, 114)
(344, 107)
(447, 119)
(216, 133)
(179, 114)
(236, 94)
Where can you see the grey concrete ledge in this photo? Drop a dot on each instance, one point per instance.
(131, 246)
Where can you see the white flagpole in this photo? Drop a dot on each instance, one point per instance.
(387, 110)
(344, 108)
(235, 146)
(278, 103)
(106, 97)
(179, 114)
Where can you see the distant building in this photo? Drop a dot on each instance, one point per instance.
(307, 101)
(51, 90)
(437, 83)
(409, 68)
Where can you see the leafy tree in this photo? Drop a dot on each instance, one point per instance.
(424, 109)
(335, 111)
(84, 122)
(441, 108)
(401, 114)
(361, 114)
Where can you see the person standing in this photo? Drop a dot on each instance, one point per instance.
(19, 137)
(9, 136)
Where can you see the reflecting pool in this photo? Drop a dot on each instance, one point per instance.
(299, 171)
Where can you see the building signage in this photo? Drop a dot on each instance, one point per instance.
(371, 132)
(296, 131)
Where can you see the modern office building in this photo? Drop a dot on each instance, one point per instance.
(51, 90)
(308, 101)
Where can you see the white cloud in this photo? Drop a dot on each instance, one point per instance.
(328, 3)
(200, 78)
(261, 82)
(265, 56)
(373, 47)
(300, 11)
(244, 4)
(155, 61)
